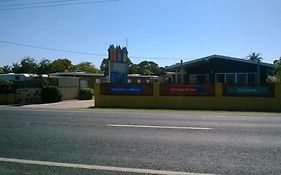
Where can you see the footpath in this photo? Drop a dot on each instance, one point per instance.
(67, 104)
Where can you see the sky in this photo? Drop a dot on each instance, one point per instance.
(163, 31)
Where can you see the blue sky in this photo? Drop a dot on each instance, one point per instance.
(156, 29)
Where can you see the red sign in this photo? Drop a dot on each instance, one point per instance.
(186, 90)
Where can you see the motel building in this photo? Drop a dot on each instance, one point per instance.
(217, 68)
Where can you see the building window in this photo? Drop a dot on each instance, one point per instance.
(220, 78)
(199, 78)
(230, 78)
(252, 78)
(239, 78)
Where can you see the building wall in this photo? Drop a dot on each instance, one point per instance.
(214, 66)
(69, 87)
(217, 102)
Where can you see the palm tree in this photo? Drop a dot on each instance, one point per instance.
(253, 56)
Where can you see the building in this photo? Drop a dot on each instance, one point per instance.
(218, 68)
(138, 78)
(87, 79)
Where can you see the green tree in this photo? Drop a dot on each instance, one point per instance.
(149, 68)
(6, 69)
(133, 69)
(60, 65)
(253, 56)
(256, 57)
(43, 67)
(1, 70)
(277, 71)
(16, 68)
(104, 66)
(84, 67)
(28, 65)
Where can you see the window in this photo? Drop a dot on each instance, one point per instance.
(242, 78)
(220, 78)
(193, 78)
(199, 78)
(230, 78)
(252, 78)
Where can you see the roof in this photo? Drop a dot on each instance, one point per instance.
(178, 65)
(141, 76)
(77, 74)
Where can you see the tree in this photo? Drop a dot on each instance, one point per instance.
(104, 67)
(84, 67)
(133, 69)
(253, 56)
(277, 70)
(148, 68)
(16, 68)
(60, 65)
(43, 67)
(6, 69)
(28, 65)
(1, 70)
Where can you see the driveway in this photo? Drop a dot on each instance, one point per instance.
(67, 104)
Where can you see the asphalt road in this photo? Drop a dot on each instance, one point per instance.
(185, 141)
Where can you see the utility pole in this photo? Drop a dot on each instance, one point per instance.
(182, 74)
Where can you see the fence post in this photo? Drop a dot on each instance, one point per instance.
(218, 89)
(97, 94)
(156, 87)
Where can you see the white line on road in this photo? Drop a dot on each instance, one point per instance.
(97, 167)
(158, 127)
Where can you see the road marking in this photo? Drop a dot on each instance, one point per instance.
(97, 167)
(159, 127)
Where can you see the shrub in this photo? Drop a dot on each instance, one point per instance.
(7, 87)
(51, 94)
(86, 94)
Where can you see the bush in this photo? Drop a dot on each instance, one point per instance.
(51, 94)
(7, 87)
(86, 94)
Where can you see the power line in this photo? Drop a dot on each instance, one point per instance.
(10, 0)
(81, 52)
(51, 49)
(35, 3)
(57, 5)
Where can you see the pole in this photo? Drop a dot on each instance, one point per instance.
(258, 72)
(182, 78)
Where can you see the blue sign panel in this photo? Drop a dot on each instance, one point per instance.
(116, 77)
(133, 89)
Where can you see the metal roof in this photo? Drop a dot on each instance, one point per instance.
(77, 74)
(207, 58)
